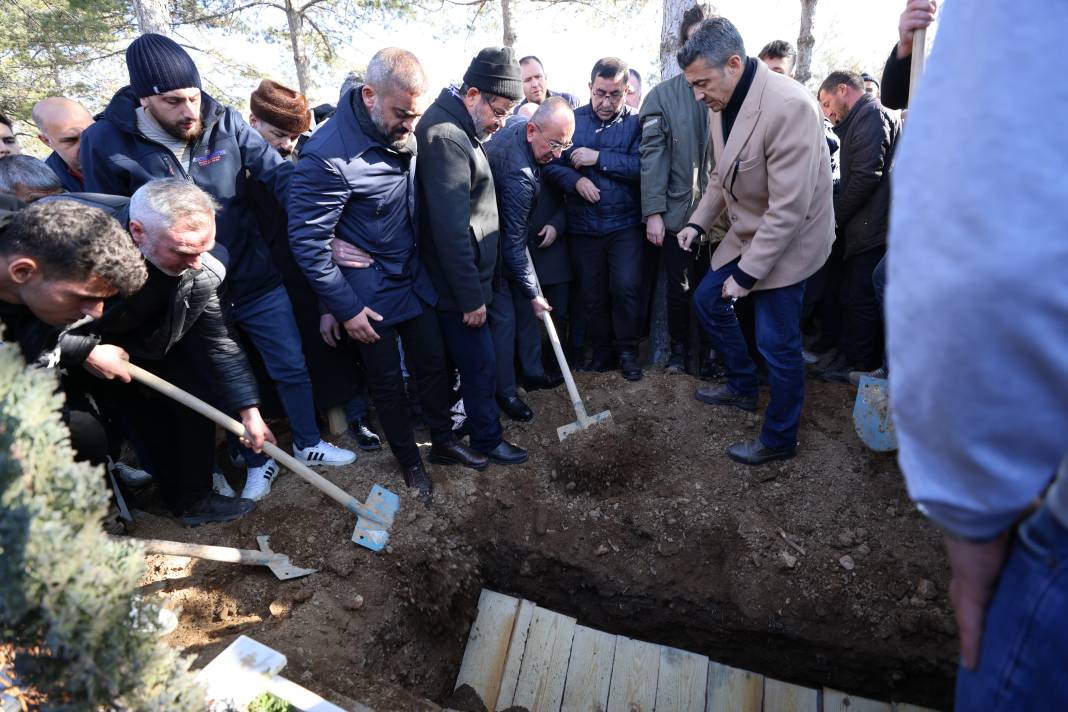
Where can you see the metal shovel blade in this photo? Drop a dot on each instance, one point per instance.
(279, 563)
(582, 424)
(871, 415)
(374, 535)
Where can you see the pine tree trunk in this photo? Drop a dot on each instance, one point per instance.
(669, 36)
(509, 35)
(805, 41)
(296, 41)
(153, 16)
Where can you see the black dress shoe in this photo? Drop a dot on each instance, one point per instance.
(677, 360)
(754, 452)
(711, 370)
(629, 366)
(599, 364)
(543, 381)
(417, 478)
(366, 439)
(725, 395)
(216, 508)
(507, 454)
(456, 453)
(515, 409)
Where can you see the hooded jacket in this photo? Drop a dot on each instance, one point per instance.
(118, 158)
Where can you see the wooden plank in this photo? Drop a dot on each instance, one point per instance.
(303, 699)
(487, 645)
(241, 671)
(514, 660)
(838, 701)
(784, 697)
(589, 672)
(905, 707)
(544, 668)
(733, 690)
(682, 682)
(634, 674)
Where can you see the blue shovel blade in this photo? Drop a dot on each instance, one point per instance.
(369, 533)
(871, 415)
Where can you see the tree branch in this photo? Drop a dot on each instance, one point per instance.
(226, 13)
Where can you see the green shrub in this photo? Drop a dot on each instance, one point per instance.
(68, 612)
(266, 702)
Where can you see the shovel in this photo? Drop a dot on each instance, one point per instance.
(871, 415)
(277, 563)
(373, 518)
(582, 420)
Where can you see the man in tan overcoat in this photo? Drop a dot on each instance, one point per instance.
(773, 179)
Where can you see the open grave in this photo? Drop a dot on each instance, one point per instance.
(817, 571)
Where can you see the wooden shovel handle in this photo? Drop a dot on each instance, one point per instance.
(307, 474)
(201, 551)
(919, 57)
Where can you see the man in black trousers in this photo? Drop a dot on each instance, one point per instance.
(459, 231)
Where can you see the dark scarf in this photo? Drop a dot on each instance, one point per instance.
(363, 116)
(730, 113)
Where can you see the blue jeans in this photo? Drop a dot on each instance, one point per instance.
(1022, 659)
(472, 352)
(778, 336)
(269, 324)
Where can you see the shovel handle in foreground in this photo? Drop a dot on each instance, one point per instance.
(919, 56)
(225, 554)
(303, 471)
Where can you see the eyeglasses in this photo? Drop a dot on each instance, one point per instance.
(497, 113)
(554, 146)
(600, 95)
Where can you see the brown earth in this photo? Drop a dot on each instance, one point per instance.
(817, 571)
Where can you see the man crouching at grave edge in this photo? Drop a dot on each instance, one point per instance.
(356, 181)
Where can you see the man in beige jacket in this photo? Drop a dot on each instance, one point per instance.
(773, 178)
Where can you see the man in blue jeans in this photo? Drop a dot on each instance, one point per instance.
(163, 126)
(976, 303)
(773, 178)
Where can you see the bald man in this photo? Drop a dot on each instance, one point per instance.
(60, 122)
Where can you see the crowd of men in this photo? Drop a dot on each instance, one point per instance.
(404, 247)
(309, 251)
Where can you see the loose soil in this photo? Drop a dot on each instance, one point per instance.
(817, 571)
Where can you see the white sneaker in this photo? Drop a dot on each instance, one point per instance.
(324, 454)
(258, 482)
(220, 485)
(130, 476)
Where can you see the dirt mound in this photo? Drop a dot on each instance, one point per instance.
(817, 570)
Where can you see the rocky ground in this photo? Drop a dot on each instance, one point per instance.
(817, 571)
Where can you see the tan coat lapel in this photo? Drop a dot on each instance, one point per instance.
(743, 125)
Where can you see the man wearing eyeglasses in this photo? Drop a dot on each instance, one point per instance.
(516, 156)
(773, 178)
(459, 231)
(600, 176)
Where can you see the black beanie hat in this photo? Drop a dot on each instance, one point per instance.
(158, 65)
(495, 70)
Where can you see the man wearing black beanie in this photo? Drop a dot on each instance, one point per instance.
(458, 239)
(163, 126)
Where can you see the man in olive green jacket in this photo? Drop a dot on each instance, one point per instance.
(676, 158)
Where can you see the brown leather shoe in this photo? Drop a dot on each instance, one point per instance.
(456, 453)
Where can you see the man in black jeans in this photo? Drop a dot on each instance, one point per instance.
(868, 132)
(356, 180)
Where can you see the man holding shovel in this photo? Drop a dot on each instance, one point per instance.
(174, 327)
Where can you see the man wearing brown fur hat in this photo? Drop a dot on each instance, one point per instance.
(280, 114)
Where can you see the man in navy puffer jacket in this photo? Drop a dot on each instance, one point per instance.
(601, 175)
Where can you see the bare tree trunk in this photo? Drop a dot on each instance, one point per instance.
(296, 41)
(805, 41)
(153, 16)
(509, 35)
(669, 36)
